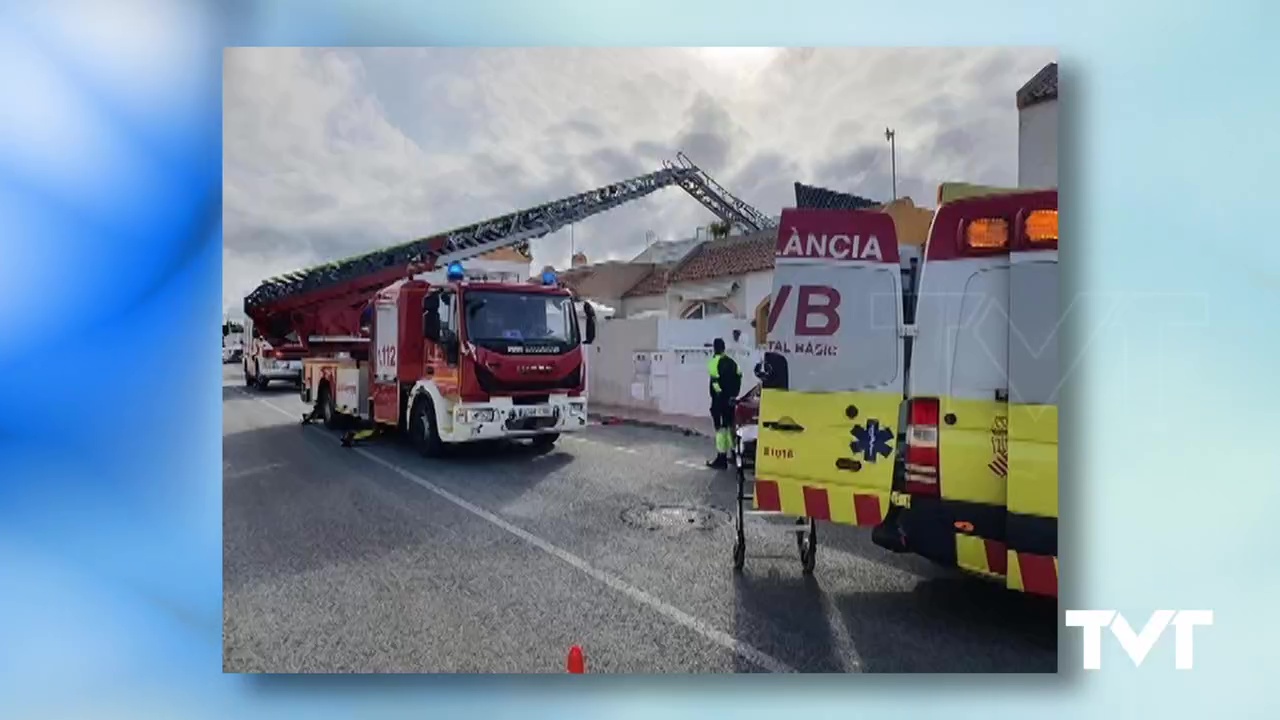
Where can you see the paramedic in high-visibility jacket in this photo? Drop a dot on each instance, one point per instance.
(725, 384)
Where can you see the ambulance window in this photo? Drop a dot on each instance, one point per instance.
(979, 365)
(863, 352)
(1033, 341)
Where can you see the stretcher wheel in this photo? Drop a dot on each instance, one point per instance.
(807, 543)
(740, 542)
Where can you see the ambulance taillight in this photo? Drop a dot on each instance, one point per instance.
(922, 464)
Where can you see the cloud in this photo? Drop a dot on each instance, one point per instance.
(330, 153)
(709, 133)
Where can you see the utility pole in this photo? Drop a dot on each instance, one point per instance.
(893, 160)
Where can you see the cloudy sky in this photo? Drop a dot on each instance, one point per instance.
(328, 153)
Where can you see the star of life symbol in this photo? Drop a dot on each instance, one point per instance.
(872, 441)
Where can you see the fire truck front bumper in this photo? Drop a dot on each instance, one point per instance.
(491, 421)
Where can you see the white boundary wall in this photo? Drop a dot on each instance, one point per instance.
(660, 365)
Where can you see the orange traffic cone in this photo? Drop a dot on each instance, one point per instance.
(577, 664)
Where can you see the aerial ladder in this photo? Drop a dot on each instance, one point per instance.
(715, 197)
(321, 306)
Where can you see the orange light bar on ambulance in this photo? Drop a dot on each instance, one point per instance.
(1042, 226)
(987, 234)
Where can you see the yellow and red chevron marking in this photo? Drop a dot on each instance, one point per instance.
(838, 505)
(1034, 574)
(1024, 572)
(980, 555)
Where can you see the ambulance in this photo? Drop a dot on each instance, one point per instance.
(917, 395)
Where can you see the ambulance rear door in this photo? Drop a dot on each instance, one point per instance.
(983, 367)
(1034, 382)
(834, 368)
(955, 460)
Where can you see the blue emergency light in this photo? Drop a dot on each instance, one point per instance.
(454, 272)
(549, 277)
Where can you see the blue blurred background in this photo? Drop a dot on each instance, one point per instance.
(110, 258)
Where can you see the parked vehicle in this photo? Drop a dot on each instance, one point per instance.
(462, 361)
(917, 397)
(373, 343)
(266, 363)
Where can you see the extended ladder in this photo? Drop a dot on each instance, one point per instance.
(716, 198)
(280, 298)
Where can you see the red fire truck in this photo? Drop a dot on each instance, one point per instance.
(462, 361)
(455, 360)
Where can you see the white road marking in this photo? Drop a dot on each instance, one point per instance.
(691, 464)
(251, 471)
(672, 613)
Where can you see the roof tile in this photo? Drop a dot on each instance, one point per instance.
(655, 283)
(814, 197)
(729, 256)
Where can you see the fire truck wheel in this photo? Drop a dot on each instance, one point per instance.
(546, 441)
(422, 426)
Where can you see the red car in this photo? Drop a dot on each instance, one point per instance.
(747, 411)
(745, 415)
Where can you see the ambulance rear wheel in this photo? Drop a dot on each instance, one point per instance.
(422, 425)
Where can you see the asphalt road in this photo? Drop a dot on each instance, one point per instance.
(373, 559)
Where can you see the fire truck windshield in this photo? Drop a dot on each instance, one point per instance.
(518, 321)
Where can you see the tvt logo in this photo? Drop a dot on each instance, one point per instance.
(1137, 644)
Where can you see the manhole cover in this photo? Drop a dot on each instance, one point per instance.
(674, 518)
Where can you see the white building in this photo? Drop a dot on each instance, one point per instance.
(667, 251)
(728, 277)
(684, 280)
(1038, 130)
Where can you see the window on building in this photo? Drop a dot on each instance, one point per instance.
(705, 309)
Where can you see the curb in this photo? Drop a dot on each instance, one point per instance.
(618, 420)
